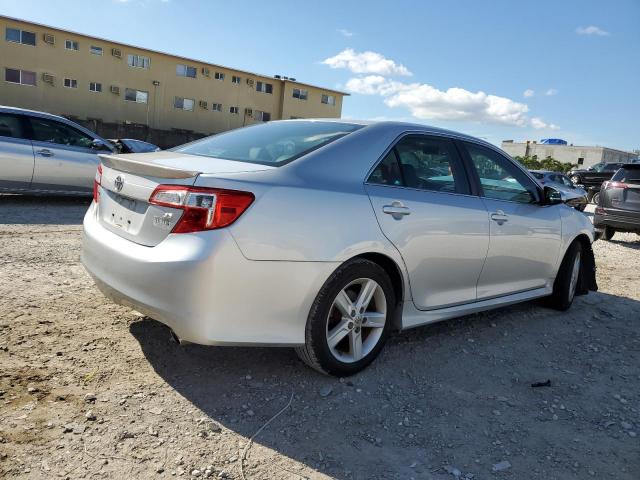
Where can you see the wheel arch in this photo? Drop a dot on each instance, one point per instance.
(587, 272)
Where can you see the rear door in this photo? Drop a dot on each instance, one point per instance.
(16, 152)
(64, 159)
(421, 197)
(525, 236)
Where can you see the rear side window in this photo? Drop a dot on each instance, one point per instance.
(12, 126)
(45, 130)
(630, 175)
(423, 163)
(273, 143)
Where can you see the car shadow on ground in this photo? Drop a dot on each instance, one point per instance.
(634, 244)
(440, 394)
(42, 210)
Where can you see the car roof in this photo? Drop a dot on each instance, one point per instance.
(7, 109)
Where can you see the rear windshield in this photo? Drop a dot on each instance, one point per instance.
(273, 143)
(631, 175)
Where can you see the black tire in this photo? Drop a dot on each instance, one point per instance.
(595, 198)
(563, 290)
(316, 352)
(608, 233)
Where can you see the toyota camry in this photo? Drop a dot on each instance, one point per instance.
(328, 235)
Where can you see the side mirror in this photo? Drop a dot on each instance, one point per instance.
(552, 196)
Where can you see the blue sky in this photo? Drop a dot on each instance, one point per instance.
(464, 65)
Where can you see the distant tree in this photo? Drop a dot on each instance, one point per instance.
(532, 163)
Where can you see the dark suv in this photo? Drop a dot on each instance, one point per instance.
(591, 179)
(619, 203)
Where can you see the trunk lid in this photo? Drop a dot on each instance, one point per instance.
(129, 180)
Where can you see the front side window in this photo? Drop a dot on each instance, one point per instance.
(51, 131)
(424, 163)
(71, 83)
(264, 87)
(218, 76)
(16, 35)
(137, 96)
(96, 50)
(186, 71)
(300, 94)
(272, 143)
(328, 99)
(71, 45)
(500, 179)
(95, 87)
(23, 77)
(138, 61)
(183, 103)
(11, 126)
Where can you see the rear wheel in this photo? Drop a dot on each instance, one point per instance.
(595, 198)
(566, 283)
(350, 319)
(608, 233)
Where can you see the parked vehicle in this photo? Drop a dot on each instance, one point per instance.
(44, 153)
(576, 196)
(130, 145)
(326, 235)
(591, 179)
(618, 208)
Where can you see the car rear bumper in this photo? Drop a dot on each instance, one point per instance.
(613, 219)
(203, 288)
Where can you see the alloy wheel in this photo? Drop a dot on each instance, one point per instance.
(575, 274)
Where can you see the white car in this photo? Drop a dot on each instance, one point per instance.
(327, 235)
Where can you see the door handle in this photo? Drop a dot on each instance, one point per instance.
(499, 217)
(45, 152)
(396, 210)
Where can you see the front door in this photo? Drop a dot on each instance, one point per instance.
(16, 152)
(525, 236)
(64, 159)
(420, 196)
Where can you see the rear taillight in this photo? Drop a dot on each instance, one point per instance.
(97, 180)
(610, 184)
(204, 208)
(600, 211)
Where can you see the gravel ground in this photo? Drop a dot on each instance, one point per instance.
(90, 389)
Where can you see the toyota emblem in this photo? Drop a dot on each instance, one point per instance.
(119, 183)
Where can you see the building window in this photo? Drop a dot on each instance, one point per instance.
(262, 116)
(300, 93)
(23, 77)
(95, 87)
(71, 45)
(20, 36)
(183, 103)
(70, 83)
(95, 50)
(235, 79)
(264, 87)
(329, 99)
(219, 76)
(580, 161)
(234, 110)
(216, 107)
(186, 71)
(137, 96)
(138, 61)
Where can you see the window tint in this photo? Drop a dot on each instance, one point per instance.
(269, 143)
(611, 167)
(11, 126)
(500, 178)
(387, 172)
(631, 175)
(45, 130)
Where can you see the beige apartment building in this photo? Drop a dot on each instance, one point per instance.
(88, 78)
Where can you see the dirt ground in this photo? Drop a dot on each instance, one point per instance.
(89, 389)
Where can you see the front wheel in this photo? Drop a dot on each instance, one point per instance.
(349, 320)
(566, 283)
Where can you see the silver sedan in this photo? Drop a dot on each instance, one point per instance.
(328, 235)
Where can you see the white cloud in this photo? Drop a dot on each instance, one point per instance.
(345, 33)
(366, 62)
(540, 124)
(592, 30)
(426, 102)
(528, 93)
(551, 92)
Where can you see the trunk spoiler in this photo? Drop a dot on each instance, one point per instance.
(138, 167)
